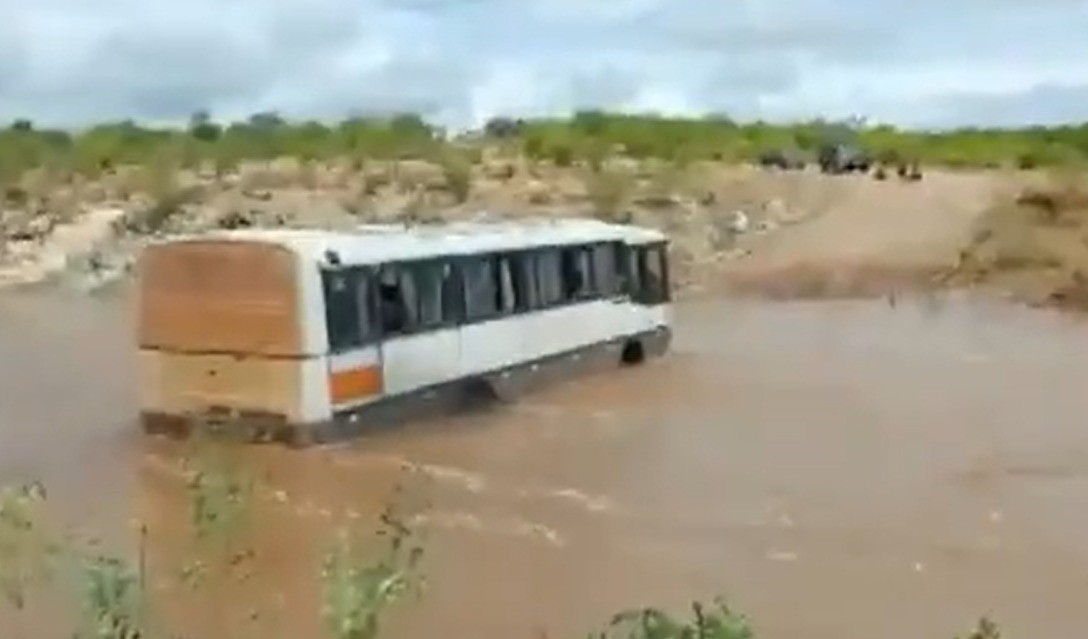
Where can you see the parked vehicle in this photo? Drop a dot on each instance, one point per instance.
(842, 158)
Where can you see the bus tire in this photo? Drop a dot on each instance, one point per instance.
(633, 352)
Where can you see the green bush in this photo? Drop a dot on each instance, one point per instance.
(457, 170)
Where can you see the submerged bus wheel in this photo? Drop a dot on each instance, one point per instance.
(479, 392)
(633, 352)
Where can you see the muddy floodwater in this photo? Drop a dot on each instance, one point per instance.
(836, 470)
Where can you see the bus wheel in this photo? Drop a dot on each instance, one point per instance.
(633, 352)
(478, 392)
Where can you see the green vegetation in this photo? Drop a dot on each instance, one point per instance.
(357, 592)
(716, 622)
(587, 137)
(25, 548)
(114, 596)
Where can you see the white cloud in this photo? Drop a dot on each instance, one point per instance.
(915, 62)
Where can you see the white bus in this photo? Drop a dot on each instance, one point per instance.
(308, 336)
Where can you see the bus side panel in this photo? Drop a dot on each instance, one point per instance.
(185, 384)
(660, 315)
(355, 377)
(411, 362)
(516, 340)
(316, 402)
(571, 327)
(494, 344)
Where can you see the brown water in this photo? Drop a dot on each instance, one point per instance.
(837, 470)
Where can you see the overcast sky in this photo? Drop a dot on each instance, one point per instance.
(910, 62)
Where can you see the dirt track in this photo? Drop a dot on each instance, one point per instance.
(867, 235)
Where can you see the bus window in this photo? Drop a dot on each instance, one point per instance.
(549, 277)
(632, 272)
(433, 282)
(399, 302)
(348, 308)
(524, 284)
(481, 288)
(507, 292)
(605, 275)
(576, 273)
(655, 288)
(453, 299)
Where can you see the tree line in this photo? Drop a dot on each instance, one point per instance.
(586, 136)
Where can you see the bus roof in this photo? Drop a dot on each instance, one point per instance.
(377, 243)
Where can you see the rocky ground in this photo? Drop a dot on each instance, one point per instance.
(782, 233)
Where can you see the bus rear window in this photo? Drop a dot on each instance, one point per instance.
(219, 296)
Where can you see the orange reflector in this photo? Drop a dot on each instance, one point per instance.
(355, 384)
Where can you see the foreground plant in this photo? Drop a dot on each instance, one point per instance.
(114, 596)
(357, 591)
(25, 547)
(220, 496)
(220, 493)
(986, 629)
(715, 622)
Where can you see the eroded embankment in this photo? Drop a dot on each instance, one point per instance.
(1023, 237)
(1034, 245)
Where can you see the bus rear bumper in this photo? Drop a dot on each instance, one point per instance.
(441, 401)
(248, 427)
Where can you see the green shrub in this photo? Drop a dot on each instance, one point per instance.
(114, 599)
(714, 622)
(561, 154)
(457, 170)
